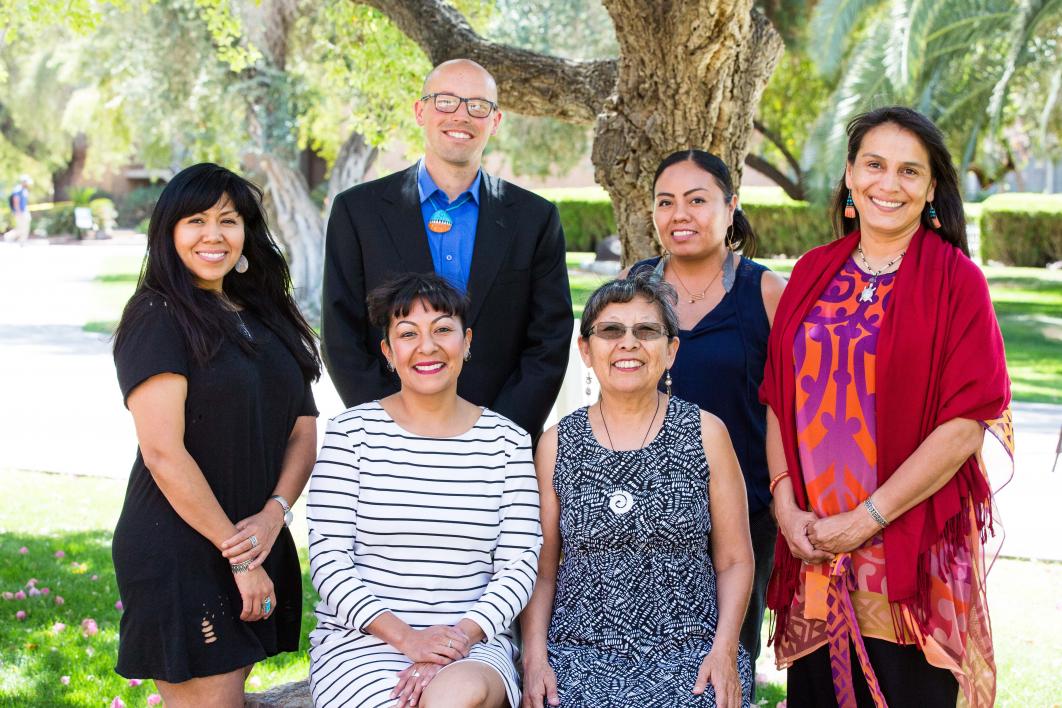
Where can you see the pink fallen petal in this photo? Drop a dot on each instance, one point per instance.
(45, 591)
(20, 595)
(34, 592)
(31, 582)
(58, 627)
(117, 703)
(65, 680)
(60, 554)
(154, 699)
(95, 577)
(89, 627)
(133, 683)
(9, 596)
(59, 599)
(20, 615)
(119, 606)
(23, 550)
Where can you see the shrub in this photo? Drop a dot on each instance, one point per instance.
(586, 215)
(104, 215)
(137, 206)
(1022, 229)
(56, 221)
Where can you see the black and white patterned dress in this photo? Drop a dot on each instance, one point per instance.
(635, 609)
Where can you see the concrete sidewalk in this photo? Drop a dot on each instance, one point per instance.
(62, 411)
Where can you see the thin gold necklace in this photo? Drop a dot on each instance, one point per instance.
(601, 408)
(694, 297)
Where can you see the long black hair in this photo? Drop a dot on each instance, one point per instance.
(947, 199)
(743, 238)
(201, 315)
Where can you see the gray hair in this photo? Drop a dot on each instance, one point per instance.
(644, 285)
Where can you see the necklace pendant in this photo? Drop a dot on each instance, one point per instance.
(868, 293)
(440, 222)
(620, 502)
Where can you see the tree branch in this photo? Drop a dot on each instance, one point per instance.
(777, 141)
(529, 83)
(795, 190)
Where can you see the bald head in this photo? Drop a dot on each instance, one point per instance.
(459, 70)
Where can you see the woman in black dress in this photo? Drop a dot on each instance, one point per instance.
(215, 364)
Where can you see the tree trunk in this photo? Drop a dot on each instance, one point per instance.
(64, 179)
(690, 74)
(299, 229)
(356, 157)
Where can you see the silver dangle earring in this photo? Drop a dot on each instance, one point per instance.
(667, 381)
(241, 264)
(468, 353)
(390, 366)
(588, 382)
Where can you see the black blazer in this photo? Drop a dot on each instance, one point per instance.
(521, 307)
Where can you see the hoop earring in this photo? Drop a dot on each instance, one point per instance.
(241, 264)
(667, 381)
(933, 218)
(849, 207)
(588, 382)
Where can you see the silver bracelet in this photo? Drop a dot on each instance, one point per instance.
(874, 513)
(240, 567)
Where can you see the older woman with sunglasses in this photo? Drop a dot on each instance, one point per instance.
(643, 494)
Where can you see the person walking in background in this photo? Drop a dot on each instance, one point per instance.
(646, 558)
(885, 367)
(424, 529)
(725, 309)
(501, 245)
(18, 201)
(215, 363)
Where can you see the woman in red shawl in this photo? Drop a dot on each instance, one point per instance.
(885, 367)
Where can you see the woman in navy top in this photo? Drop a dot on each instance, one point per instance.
(726, 305)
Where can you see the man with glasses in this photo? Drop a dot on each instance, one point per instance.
(500, 244)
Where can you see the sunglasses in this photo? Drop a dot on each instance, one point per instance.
(645, 331)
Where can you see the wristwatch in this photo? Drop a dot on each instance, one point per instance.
(286, 507)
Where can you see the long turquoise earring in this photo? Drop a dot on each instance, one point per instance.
(849, 207)
(933, 218)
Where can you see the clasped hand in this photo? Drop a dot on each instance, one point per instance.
(263, 527)
(816, 540)
(429, 649)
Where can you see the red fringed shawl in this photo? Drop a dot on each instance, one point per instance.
(940, 357)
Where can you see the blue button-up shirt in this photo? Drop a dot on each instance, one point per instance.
(451, 252)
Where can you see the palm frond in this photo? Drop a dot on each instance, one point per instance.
(833, 22)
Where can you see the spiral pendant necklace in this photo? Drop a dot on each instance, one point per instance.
(601, 407)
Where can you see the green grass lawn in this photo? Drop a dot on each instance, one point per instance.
(75, 515)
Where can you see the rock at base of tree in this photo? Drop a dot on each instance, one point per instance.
(609, 249)
(289, 695)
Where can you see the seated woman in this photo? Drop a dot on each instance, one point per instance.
(644, 495)
(424, 531)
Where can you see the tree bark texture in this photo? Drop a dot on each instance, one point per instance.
(355, 159)
(690, 74)
(70, 174)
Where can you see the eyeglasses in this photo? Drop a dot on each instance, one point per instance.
(449, 103)
(645, 331)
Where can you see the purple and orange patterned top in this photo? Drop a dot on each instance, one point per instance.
(834, 362)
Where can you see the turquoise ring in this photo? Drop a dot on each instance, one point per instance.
(267, 605)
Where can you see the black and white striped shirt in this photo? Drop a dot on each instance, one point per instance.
(432, 529)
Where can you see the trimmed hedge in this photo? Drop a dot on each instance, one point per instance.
(783, 226)
(1022, 229)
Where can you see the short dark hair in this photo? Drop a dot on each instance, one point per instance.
(744, 238)
(645, 285)
(947, 198)
(395, 298)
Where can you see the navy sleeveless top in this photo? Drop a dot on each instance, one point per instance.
(719, 367)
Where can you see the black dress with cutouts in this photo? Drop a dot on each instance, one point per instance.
(182, 606)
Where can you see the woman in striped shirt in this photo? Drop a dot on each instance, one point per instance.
(424, 532)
